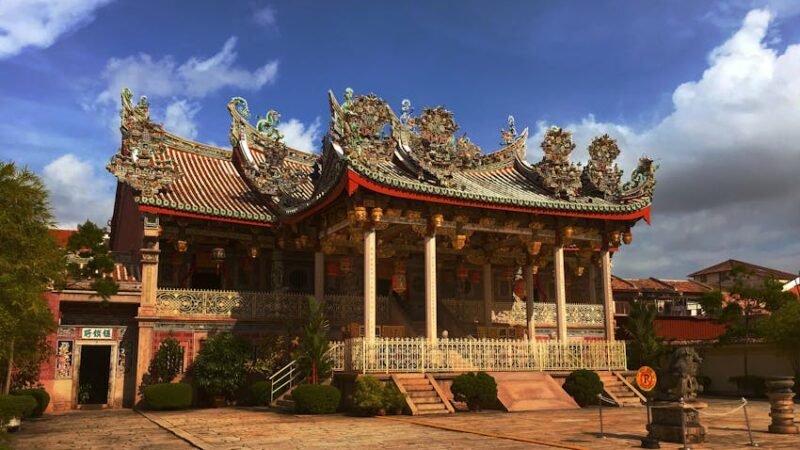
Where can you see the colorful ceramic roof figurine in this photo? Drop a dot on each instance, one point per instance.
(261, 180)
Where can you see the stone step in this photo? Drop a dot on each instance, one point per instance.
(410, 376)
(432, 407)
(418, 387)
(415, 394)
(426, 400)
(285, 404)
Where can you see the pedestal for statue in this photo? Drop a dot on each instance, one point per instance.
(670, 419)
(781, 399)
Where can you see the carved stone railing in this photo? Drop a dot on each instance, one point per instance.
(389, 355)
(200, 303)
(513, 313)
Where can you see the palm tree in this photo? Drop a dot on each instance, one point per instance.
(646, 348)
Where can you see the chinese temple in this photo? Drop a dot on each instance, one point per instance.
(415, 240)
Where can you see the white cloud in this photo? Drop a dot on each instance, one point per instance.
(179, 118)
(77, 192)
(195, 78)
(300, 136)
(38, 23)
(266, 17)
(729, 158)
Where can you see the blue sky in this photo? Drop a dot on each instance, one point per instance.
(704, 87)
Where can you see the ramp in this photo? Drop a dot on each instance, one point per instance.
(531, 391)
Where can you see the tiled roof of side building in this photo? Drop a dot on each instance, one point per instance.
(687, 286)
(728, 265)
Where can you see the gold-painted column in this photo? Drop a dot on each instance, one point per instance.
(608, 295)
(488, 301)
(319, 275)
(561, 295)
(369, 282)
(430, 286)
(529, 306)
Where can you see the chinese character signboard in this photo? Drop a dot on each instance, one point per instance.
(97, 333)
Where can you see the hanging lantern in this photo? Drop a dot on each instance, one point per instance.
(254, 251)
(474, 277)
(534, 269)
(360, 213)
(460, 241)
(399, 283)
(461, 272)
(218, 254)
(568, 232)
(332, 269)
(614, 237)
(182, 246)
(377, 214)
(627, 237)
(346, 264)
(437, 220)
(535, 247)
(579, 271)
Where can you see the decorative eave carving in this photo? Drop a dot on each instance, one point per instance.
(555, 171)
(602, 175)
(270, 176)
(141, 161)
(642, 183)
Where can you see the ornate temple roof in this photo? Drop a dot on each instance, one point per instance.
(262, 180)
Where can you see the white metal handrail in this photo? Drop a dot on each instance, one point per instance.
(290, 375)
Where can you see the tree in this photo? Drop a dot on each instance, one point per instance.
(167, 363)
(29, 262)
(94, 262)
(740, 307)
(646, 348)
(313, 353)
(782, 329)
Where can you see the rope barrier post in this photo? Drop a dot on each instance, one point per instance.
(600, 401)
(747, 422)
(683, 425)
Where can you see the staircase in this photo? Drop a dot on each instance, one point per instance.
(617, 388)
(423, 394)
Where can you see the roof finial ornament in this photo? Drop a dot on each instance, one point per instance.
(405, 107)
(511, 134)
(268, 126)
(348, 99)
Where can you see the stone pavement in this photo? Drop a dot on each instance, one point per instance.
(257, 428)
(115, 429)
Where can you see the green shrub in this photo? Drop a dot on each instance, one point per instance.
(259, 392)
(368, 396)
(16, 406)
(584, 386)
(168, 362)
(478, 390)
(219, 368)
(750, 385)
(394, 401)
(41, 396)
(316, 399)
(167, 396)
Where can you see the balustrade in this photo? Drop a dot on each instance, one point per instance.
(390, 355)
(339, 309)
(578, 314)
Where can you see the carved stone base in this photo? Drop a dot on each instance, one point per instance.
(782, 411)
(667, 424)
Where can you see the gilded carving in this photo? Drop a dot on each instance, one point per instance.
(555, 171)
(642, 183)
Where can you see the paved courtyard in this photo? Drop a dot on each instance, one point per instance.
(249, 428)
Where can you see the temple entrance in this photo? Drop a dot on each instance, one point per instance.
(94, 375)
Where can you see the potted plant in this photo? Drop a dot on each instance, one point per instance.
(219, 367)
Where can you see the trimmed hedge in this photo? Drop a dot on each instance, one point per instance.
(21, 406)
(41, 396)
(259, 392)
(166, 396)
(478, 390)
(316, 399)
(584, 386)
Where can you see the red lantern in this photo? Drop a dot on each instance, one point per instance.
(399, 283)
(461, 272)
(475, 277)
(332, 269)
